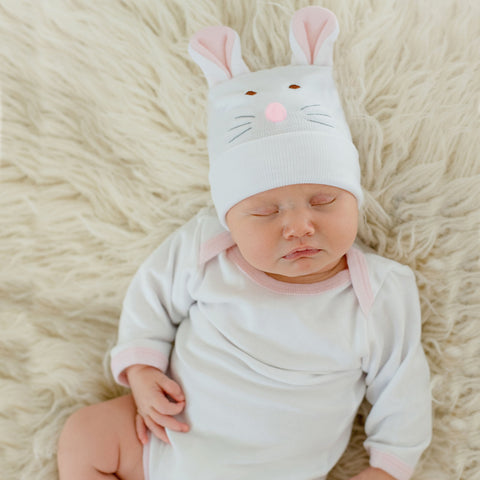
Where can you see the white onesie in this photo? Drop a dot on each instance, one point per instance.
(273, 373)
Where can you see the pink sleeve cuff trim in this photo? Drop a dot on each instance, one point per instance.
(136, 356)
(391, 464)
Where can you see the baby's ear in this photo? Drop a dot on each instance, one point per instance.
(218, 53)
(313, 32)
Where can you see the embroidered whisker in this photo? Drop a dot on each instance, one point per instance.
(245, 131)
(238, 126)
(321, 123)
(322, 114)
(308, 106)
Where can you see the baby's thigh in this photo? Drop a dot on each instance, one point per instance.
(103, 436)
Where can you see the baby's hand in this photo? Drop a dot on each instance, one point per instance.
(150, 388)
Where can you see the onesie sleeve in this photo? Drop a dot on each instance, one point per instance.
(399, 425)
(156, 301)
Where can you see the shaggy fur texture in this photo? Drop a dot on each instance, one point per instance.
(103, 154)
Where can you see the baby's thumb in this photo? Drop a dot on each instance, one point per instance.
(173, 390)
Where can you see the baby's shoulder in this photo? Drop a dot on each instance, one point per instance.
(385, 273)
(201, 227)
(207, 220)
(206, 228)
(395, 301)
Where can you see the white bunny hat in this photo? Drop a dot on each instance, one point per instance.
(280, 126)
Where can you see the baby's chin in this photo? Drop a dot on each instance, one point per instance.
(310, 275)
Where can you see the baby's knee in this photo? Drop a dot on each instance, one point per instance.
(70, 444)
(84, 438)
(76, 430)
(101, 438)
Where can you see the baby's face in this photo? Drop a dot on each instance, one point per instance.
(297, 233)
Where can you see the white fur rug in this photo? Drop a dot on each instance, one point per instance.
(103, 154)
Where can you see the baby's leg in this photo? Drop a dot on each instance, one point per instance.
(100, 442)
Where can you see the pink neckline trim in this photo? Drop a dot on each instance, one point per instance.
(339, 280)
(357, 265)
(211, 248)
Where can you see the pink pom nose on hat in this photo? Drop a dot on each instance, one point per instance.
(280, 126)
(276, 112)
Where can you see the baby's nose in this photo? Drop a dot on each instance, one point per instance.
(298, 227)
(276, 112)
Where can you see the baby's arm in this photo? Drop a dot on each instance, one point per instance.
(398, 426)
(157, 301)
(153, 392)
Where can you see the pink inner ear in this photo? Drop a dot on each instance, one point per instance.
(311, 27)
(216, 45)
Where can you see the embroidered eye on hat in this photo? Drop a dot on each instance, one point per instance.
(279, 126)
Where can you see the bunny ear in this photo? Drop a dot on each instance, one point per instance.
(217, 52)
(313, 32)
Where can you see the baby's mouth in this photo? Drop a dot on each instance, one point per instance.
(301, 252)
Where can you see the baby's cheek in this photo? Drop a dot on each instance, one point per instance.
(259, 255)
(346, 234)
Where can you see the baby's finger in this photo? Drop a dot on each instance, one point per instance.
(164, 406)
(172, 388)
(169, 422)
(141, 428)
(157, 430)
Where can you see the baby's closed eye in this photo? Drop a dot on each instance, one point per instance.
(264, 211)
(324, 199)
